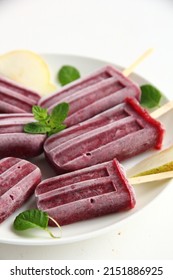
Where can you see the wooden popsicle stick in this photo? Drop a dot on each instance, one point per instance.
(162, 110)
(151, 178)
(166, 107)
(130, 69)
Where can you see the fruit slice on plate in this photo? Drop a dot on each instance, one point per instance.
(28, 69)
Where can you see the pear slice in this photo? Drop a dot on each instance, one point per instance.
(159, 169)
(28, 69)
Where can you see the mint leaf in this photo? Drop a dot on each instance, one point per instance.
(59, 113)
(33, 218)
(57, 129)
(46, 123)
(36, 128)
(40, 114)
(68, 74)
(150, 97)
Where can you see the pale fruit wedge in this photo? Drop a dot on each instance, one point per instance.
(158, 169)
(28, 69)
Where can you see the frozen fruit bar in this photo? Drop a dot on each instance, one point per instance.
(18, 180)
(15, 98)
(93, 94)
(87, 193)
(121, 132)
(14, 141)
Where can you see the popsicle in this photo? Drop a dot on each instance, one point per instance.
(18, 180)
(14, 141)
(120, 132)
(15, 98)
(87, 193)
(93, 94)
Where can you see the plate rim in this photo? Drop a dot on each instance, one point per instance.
(83, 236)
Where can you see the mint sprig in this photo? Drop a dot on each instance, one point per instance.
(40, 114)
(150, 97)
(48, 123)
(33, 218)
(67, 74)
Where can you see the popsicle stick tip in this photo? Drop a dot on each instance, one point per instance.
(131, 68)
(162, 110)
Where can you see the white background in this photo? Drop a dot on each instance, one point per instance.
(117, 31)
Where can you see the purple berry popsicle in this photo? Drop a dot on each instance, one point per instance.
(93, 94)
(14, 141)
(18, 180)
(87, 193)
(120, 132)
(15, 98)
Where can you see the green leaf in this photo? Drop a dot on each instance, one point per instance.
(31, 219)
(150, 97)
(48, 124)
(68, 74)
(36, 128)
(59, 113)
(40, 114)
(57, 129)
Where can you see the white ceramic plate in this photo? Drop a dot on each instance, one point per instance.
(82, 230)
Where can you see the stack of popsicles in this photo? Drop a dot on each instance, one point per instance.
(105, 122)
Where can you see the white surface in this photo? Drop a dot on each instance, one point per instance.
(117, 31)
